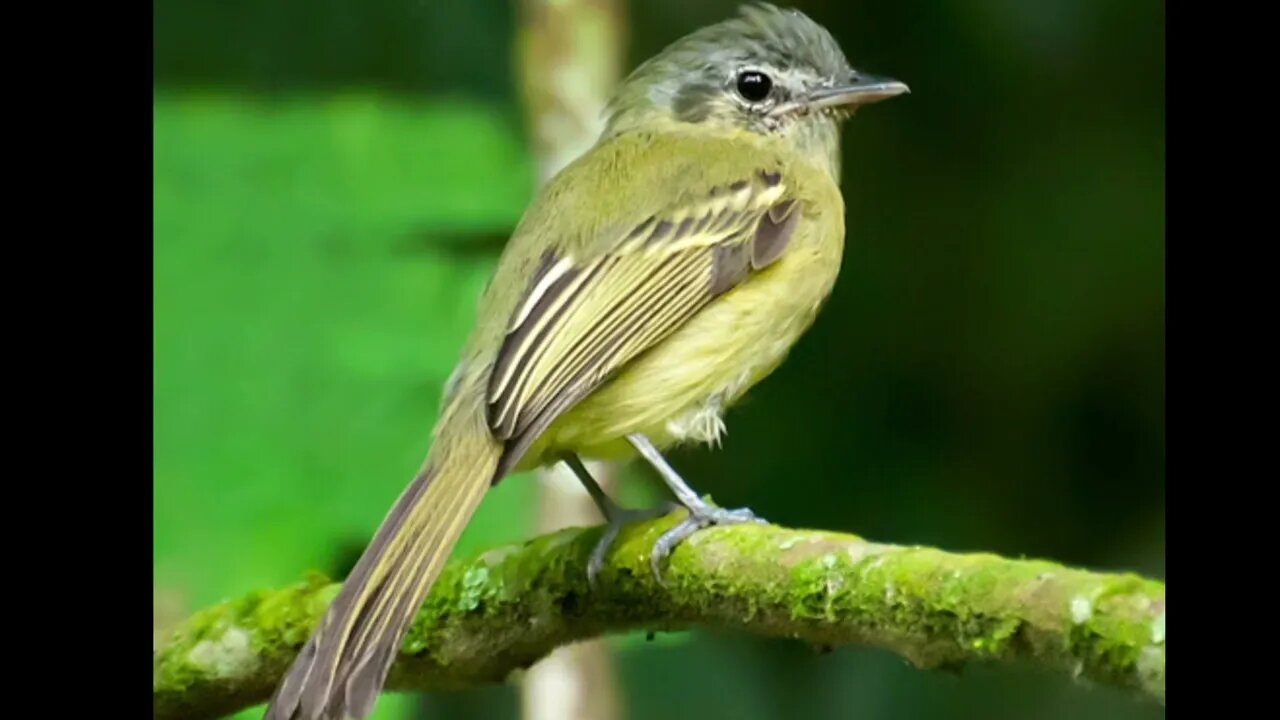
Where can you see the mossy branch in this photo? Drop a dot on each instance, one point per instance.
(505, 609)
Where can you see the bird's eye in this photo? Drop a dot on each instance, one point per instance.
(753, 85)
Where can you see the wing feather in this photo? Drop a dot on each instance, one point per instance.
(582, 319)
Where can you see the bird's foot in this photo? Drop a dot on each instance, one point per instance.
(618, 517)
(701, 515)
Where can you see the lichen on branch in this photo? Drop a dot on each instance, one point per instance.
(503, 610)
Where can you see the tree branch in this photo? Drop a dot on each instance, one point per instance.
(507, 608)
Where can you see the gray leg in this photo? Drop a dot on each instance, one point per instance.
(613, 513)
(701, 513)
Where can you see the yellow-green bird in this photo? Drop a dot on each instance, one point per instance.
(650, 284)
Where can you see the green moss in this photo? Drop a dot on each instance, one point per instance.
(283, 619)
(172, 670)
(809, 592)
(474, 586)
(1117, 640)
(994, 643)
(504, 608)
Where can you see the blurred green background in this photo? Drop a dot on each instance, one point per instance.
(334, 181)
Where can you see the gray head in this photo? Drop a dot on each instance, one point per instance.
(768, 71)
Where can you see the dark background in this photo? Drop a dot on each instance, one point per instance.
(333, 181)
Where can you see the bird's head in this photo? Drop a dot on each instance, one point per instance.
(768, 71)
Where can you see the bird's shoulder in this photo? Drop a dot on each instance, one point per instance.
(625, 181)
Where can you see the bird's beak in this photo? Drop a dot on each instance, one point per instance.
(863, 90)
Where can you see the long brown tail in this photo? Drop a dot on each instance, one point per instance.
(340, 671)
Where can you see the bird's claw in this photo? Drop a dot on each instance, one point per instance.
(701, 516)
(618, 518)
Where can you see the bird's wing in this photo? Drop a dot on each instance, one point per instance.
(581, 319)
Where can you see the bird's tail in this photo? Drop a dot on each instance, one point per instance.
(340, 671)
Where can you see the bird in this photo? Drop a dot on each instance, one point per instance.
(648, 286)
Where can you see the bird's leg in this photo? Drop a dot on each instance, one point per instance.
(701, 513)
(616, 515)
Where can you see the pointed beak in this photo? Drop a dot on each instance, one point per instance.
(862, 90)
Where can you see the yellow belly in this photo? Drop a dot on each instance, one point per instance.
(675, 392)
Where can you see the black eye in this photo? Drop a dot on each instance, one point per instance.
(754, 85)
